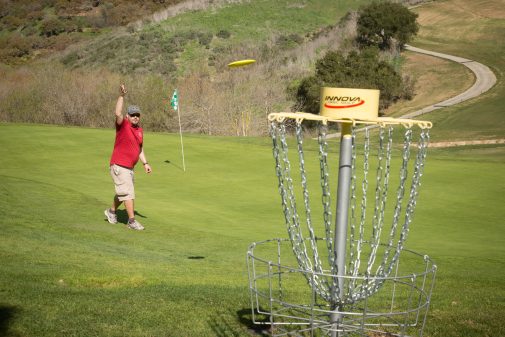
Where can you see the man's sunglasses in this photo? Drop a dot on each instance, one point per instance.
(135, 115)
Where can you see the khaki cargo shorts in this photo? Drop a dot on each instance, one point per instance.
(123, 182)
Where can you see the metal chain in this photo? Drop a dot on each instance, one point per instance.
(320, 284)
(414, 192)
(385, 268)
(294, 226)
(381, 192)
(416, 183)
(313, 240)
(353, 267)
(364, 189)
(280, 152)
(325, 189)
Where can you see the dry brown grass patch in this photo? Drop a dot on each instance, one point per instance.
(436, 80)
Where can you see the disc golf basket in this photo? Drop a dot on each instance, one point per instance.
(339, 273)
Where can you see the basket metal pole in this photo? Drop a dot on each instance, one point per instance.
(340, 239)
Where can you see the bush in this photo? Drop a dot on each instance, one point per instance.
(12, 23)
(223, 34)
(205, 39)
(14, 46)
(52, 27)
(358, 70)
(289, 41)
(382, 23)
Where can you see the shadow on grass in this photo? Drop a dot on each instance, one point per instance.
(7, 314)
(225, 326)
(122, 216)
(170, 163)
(245, 318)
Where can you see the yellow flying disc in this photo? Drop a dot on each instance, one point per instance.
(240, 63)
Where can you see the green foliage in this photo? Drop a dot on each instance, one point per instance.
(289, 41)
(223, 34)
(52, 26)
(361, 69)
(205, 39)
(386, 24)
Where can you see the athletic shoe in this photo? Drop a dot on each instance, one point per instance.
(111, 217)
(135, 225)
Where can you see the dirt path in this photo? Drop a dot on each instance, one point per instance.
(467, 142)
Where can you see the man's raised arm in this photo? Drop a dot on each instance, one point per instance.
(119, 105)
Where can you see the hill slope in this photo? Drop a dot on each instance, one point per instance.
(189, 51)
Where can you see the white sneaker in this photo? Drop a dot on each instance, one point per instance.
(111, 217)
(135, 225)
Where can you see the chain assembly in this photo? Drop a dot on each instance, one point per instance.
(366, 235)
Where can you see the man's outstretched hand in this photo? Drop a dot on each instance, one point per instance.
(123, 90)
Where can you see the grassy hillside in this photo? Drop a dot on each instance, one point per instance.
(29, 29)
(190, 50)
(66, 271)
(468, 29)
(210, 38)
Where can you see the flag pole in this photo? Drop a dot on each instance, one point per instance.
(175, 105)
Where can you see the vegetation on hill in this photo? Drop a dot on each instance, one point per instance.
(189, 50)
(362, 69)
(386, 24)
(181, 52)
(28, 28)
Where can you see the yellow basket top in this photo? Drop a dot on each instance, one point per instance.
(299, 117)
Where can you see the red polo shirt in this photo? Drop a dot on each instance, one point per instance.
(127, 145)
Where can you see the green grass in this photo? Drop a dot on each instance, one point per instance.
(264, 18)
(67, 272)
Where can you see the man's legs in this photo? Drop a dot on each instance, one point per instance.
(125, 193)
(111, 212)
(116, 203)
(132, 223)
(129, 205)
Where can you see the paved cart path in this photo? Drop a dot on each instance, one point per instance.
(485, 79)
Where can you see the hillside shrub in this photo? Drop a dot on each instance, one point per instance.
(205, 39)
(383, 24)
(51, 27)
(12, 23)
(289, 41)
(14, 46)
(223, 34)
(362, 69)
(55, 95)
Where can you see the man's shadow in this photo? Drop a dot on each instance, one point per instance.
(122, 216)
(7, 315)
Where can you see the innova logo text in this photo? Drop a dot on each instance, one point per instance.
(342, 102)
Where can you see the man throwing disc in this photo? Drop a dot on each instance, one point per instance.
(127, 151)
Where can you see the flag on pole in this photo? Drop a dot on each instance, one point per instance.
(174, 102)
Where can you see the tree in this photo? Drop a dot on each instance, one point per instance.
(361, 69)
(383, 24)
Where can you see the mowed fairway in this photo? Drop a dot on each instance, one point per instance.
(65, 271)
